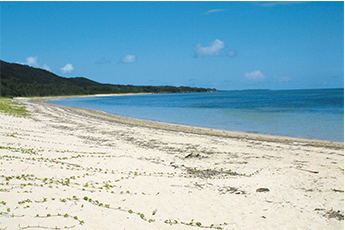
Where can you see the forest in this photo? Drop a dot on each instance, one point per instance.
(17, 80)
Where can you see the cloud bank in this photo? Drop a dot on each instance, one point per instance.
(255, 76)
(68, 68)
(129, 58)
(214, 49)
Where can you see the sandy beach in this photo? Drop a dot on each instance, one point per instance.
(73, 168)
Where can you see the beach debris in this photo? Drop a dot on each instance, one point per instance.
(173, 165)
(331, 213)
(38, 226)
(154, 212)
(306, 170)
(232, 162)
(337, 190)
(207, 173)
(299, 143)
(262, 190)
(193, 155)
(334, 214)
(200, 186)
(231, 190)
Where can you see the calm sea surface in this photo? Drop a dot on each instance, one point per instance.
(316, 114)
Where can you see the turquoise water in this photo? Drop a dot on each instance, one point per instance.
(315, 114)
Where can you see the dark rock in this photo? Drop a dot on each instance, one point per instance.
(262, 190)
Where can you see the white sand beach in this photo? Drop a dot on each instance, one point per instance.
(72, 168)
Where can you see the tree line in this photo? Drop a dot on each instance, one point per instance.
(26, 81)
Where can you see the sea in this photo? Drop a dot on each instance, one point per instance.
(311, 113)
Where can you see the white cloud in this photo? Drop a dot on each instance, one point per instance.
(68, 68)
(214, 49)
(46, 67)
(255, 76)
(32, 61)
(129, 58)
(214, 11)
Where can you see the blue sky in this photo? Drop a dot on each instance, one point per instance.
(223, 45)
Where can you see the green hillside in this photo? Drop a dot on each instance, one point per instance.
(23, 80)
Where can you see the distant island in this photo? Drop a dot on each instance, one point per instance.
(17, 80)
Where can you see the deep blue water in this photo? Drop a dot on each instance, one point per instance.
(316, 114)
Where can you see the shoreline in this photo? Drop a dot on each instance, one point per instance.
(72, 168)
(191, 129)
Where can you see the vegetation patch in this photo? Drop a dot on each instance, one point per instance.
(196, 224)
(13, 108)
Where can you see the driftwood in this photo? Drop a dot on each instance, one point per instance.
(306, 170)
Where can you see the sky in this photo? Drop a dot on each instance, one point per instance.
(224, 45)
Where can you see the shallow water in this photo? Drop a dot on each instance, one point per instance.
(316, 114)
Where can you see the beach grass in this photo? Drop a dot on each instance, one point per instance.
(12, 107)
